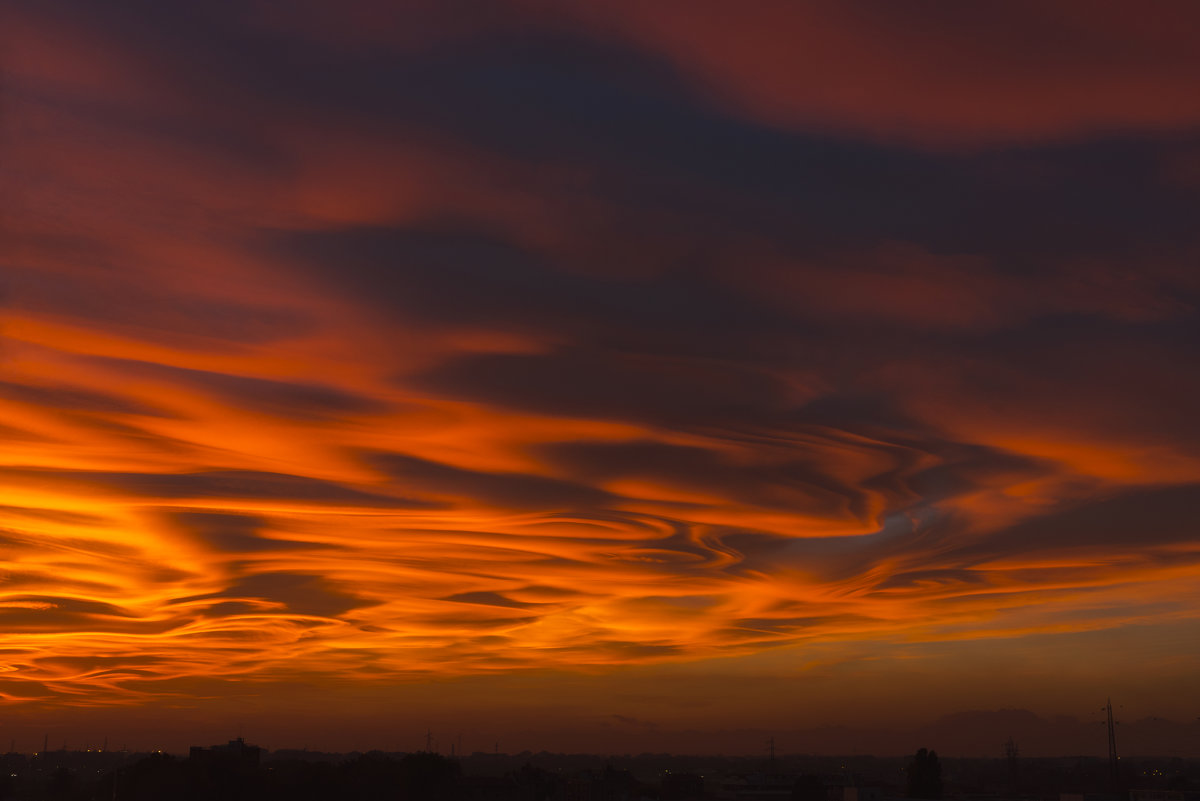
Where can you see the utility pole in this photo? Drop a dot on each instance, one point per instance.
(428, 741)
(1011, 752)
(1113, 766)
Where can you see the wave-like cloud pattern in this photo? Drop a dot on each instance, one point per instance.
(515, 344)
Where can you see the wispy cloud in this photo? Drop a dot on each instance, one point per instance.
(583, 340)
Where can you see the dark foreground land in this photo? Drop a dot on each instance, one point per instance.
(240, 772)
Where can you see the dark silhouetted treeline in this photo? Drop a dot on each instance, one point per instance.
(925, 775)
(161, 777)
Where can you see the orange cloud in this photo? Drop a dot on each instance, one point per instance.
(543, 362)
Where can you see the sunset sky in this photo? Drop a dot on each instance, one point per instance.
(596, 374)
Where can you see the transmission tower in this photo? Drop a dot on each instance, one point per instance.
(1114, 775)
(1011, 752)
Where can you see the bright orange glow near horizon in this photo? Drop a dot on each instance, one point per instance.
(600, 356)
